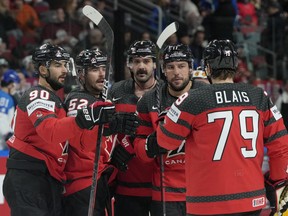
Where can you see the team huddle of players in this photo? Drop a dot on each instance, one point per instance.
(199, 152)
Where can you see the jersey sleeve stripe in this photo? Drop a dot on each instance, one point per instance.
(278, 135)
(269, 122)
(38, 121)
(184, 123)
(170, 134)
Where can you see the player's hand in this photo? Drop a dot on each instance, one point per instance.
(277, 194)
(152, 148)
(124, 123)
(98, 113)
(120, 158)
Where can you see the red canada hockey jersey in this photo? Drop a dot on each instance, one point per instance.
(174, 161)
(136, 181)
(82, 148)
(226, 127)
(41, 129)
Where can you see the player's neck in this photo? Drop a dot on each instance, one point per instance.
(141, 88)
(218, 81)
(44, 83)
(179, 93)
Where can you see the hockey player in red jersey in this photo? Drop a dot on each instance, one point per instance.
(177, 68)
(226, 126)
(133, 191)
(91, 66)
(39, 147)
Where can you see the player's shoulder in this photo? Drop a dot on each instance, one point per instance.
(121, 86)
(79, 94)
(196, 84)
(39, 96)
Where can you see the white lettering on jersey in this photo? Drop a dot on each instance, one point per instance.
(276, 113)
(174, 162)
(236, 97)
(174, 113)
(40, 104)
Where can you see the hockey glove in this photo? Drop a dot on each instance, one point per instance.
(152, 148)
(124, 123)
(277, 194)
(98, 113)
(120, 158)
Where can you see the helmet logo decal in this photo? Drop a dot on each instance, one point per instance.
(227, 53)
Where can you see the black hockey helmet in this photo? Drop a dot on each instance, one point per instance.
(90, 58)
(144, 48)
(179, 52)
(221, 55)
(48, 52)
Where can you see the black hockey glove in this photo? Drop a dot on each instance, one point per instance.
(152, 148)
(98, 113)
(277, 194)
(124, 123)
(120, 158)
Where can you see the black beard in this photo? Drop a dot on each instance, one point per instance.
(54, 84)
(180, 88)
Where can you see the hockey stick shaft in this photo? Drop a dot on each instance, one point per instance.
(105, 28)
(167, 32)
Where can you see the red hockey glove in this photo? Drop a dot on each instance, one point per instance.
(152, 148)
(98, 113)
(277, 194)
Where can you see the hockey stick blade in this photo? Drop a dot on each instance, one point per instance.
(106, 29)
(166, 33)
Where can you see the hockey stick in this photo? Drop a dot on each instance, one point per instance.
(105, 28)
(167, 32)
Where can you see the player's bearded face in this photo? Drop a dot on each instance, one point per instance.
(58, 71)
(178, 75)
(94, 81)
(142, 69)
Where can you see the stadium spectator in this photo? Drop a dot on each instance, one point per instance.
(27, 18)
(247, 13)
(61, 32)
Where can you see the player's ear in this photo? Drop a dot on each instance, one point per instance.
(154, 65)
(43, 71)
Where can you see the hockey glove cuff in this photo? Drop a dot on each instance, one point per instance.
(277, 194)
(152, 148)
(98, 113)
